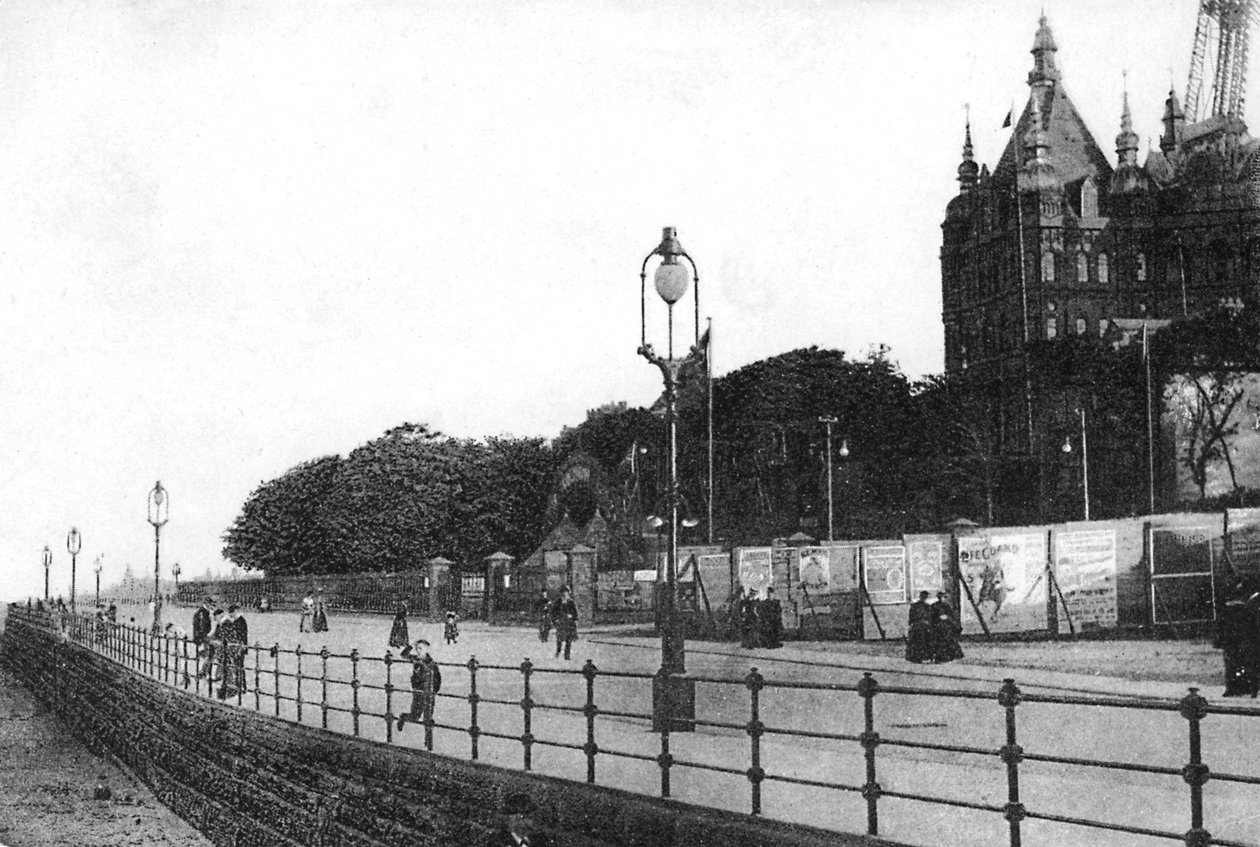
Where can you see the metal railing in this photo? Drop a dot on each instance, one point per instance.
(358, 694)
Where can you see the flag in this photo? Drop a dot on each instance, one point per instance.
(1009, 114)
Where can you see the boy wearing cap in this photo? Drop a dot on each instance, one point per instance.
(426, 682)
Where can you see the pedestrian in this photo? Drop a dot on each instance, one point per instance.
(201, 628)
(749, 621)
(517, 828)
(235, 643)
(214, 649)
(398, 636)
(945, 631)
(426, 682)
(919, 631)
(308, 612)
(564, 616)
(771, 621)
(451, 630)
(319, 620)
(542, 613)
(112, 613)
(1236, 637)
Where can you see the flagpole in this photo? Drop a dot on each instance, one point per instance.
(708, 376)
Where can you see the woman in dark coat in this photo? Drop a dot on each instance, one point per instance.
(398, 636)
(919, 632)
(319, 623)
(945, 631)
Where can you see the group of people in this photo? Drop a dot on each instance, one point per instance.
(561, 615)
(932, 634)
(760, 619)
(221, 639)
(314, 614)
(399, 636)
(1238, 637)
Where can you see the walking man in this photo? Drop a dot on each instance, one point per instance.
(426, 682)
(564, 615)
(542, 611)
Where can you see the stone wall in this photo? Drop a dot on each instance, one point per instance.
(244, 778)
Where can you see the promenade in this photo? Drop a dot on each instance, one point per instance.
(47, 784)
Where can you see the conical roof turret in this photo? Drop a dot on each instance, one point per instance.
(1128, 177)
(1174, 124)
(1043, 50)
(968, 170)
(1038, 172)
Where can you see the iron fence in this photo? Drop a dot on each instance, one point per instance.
(359, 695)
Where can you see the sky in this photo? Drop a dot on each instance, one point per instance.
(238, 236)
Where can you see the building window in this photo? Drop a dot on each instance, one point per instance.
(1082, 267)
(1102, 328)
(1104, 272)
(1047, 266)
(1052, 327)
(1140, 265)
(1089, 198)
(1082, 326)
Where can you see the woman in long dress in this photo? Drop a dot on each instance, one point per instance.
(319, 623)
(398, 633)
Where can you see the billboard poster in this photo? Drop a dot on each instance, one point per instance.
(755, 574)
(815, 572)
(885, 572)
(1085, 568)
(926, 560)
(842, 567)
(1005, 576)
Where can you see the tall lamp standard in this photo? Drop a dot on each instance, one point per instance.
(159, 513)
(74, 543)
(47, 567)
(829, 420)
(97, 567)
(673, 697)
(1067, 448)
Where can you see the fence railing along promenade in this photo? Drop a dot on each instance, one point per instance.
(363, 695)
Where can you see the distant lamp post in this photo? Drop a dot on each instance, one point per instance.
(175, 573)
(1067, 448)
(830, 420)
(97, 568)
(159, 513)
(673, 698)
(47, 567)
(74, 543)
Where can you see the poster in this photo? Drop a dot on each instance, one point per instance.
(754, 570)
(926, 558)
(885, 571)
(1085, 568)
(1004, 573)
(815, 572)
(842, 567)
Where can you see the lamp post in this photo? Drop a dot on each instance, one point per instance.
(175, 573)
(47, 560)
(74, 543)
(1067, 448)
(97, 567)
(159, 513)
(673, 700)
(828, 420)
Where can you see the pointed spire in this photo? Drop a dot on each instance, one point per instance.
(967, 170)
(1038, 173)
(1174, 123)
(1127, 140)
(1043, 50)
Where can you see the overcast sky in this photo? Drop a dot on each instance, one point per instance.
(237, 236)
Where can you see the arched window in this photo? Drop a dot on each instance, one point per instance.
(1104, 270)
(1089, 198)
(1139, 263)
(1082, 267)
(1052, 327)
(1082, 326)
(1047, 266)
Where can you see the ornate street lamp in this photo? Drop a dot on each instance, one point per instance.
(97, 567)
(74, 543)
(47, 566)
(159, 513)
(673, 698)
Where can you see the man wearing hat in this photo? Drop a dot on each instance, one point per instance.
(564, 615)
(201, 629)
(426, 682)
(214, 645)
(518, 829)
(235, 641)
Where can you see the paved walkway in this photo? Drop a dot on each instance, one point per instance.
(48, 781)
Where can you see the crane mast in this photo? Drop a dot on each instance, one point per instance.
(1220, 45)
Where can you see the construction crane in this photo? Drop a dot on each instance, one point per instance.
(1220, 42)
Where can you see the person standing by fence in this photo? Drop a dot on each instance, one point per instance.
(1238, 638)
(214, 648)
(235, 643)
(398, 636)
(426, 682)
(201, 629)
(319, 621)
(542, 613)
(564, 615)
(945, 631)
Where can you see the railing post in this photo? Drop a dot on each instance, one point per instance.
(389, 697)
(474, 731)
(589, 671)
(258, 676)
(297, 651)
(665, 759)
(1195, 773)
(323, 683)
(867, 688)
(527, 705)
(755, 772)
(354, 690)
(1012, 754)
(275, 675)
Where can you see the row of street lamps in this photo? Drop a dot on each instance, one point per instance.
(158, 515)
